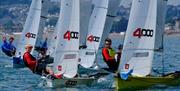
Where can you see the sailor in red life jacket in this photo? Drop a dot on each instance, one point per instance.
(109, 56)
(35, 66)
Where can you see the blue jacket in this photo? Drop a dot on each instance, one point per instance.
(8, 48)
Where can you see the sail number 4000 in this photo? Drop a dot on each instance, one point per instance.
(93, 38)
(143, 32)
(30, 35)
(71, 35)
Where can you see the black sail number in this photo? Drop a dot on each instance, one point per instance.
(30, 35)
(92, 38)
(71, 35)
(143, 32)
(70, 83)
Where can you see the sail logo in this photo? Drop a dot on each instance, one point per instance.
(143, 32)
(71, 35)
(70, 56)
(59, 68)
(30, 35)
(126, 66)
(71, 82)
(92, 38)
(90, 53)
(55, 37)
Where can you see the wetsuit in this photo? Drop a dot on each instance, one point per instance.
(108, 55)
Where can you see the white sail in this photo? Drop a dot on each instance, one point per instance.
(161, 14)
(29, 33)
(85, 13)
(95, 30)
(111, 15)
(66, 52)
(53, 38)
(140, 37)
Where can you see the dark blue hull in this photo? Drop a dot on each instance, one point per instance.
(8, 52)
(18, 62)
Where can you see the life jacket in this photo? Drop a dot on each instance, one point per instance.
(25, 61)
(112, 52)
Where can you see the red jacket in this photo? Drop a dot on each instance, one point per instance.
(30, 61)
(106, 55)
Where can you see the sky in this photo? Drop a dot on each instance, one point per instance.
(170, 2)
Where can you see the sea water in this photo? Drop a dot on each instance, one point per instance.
(24, 80)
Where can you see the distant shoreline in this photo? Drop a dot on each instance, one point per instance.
(172, 33)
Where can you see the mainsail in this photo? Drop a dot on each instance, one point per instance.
(95, 30)
(111, 15)
(139, 44)
(29, 33)
(66, 51)
(85, 13)
(44, 13)
(161, 14)
(53, 38)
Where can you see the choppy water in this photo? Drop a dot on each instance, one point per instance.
(23, 80)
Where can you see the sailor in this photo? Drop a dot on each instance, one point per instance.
(8, 48)
(43, 53)
(43, 47)
(119, 52)
(34, 65)
(109, 56)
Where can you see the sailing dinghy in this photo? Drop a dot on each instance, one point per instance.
(95, 30)
(143, 37)
(67, 48)
(29, 33)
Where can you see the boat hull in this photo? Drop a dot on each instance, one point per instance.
(73, 82)
(18, 62)
(69, 82)
(139, 83)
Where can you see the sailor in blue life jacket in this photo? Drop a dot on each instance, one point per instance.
(8, 48)
(42, 47)
(42, 50)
